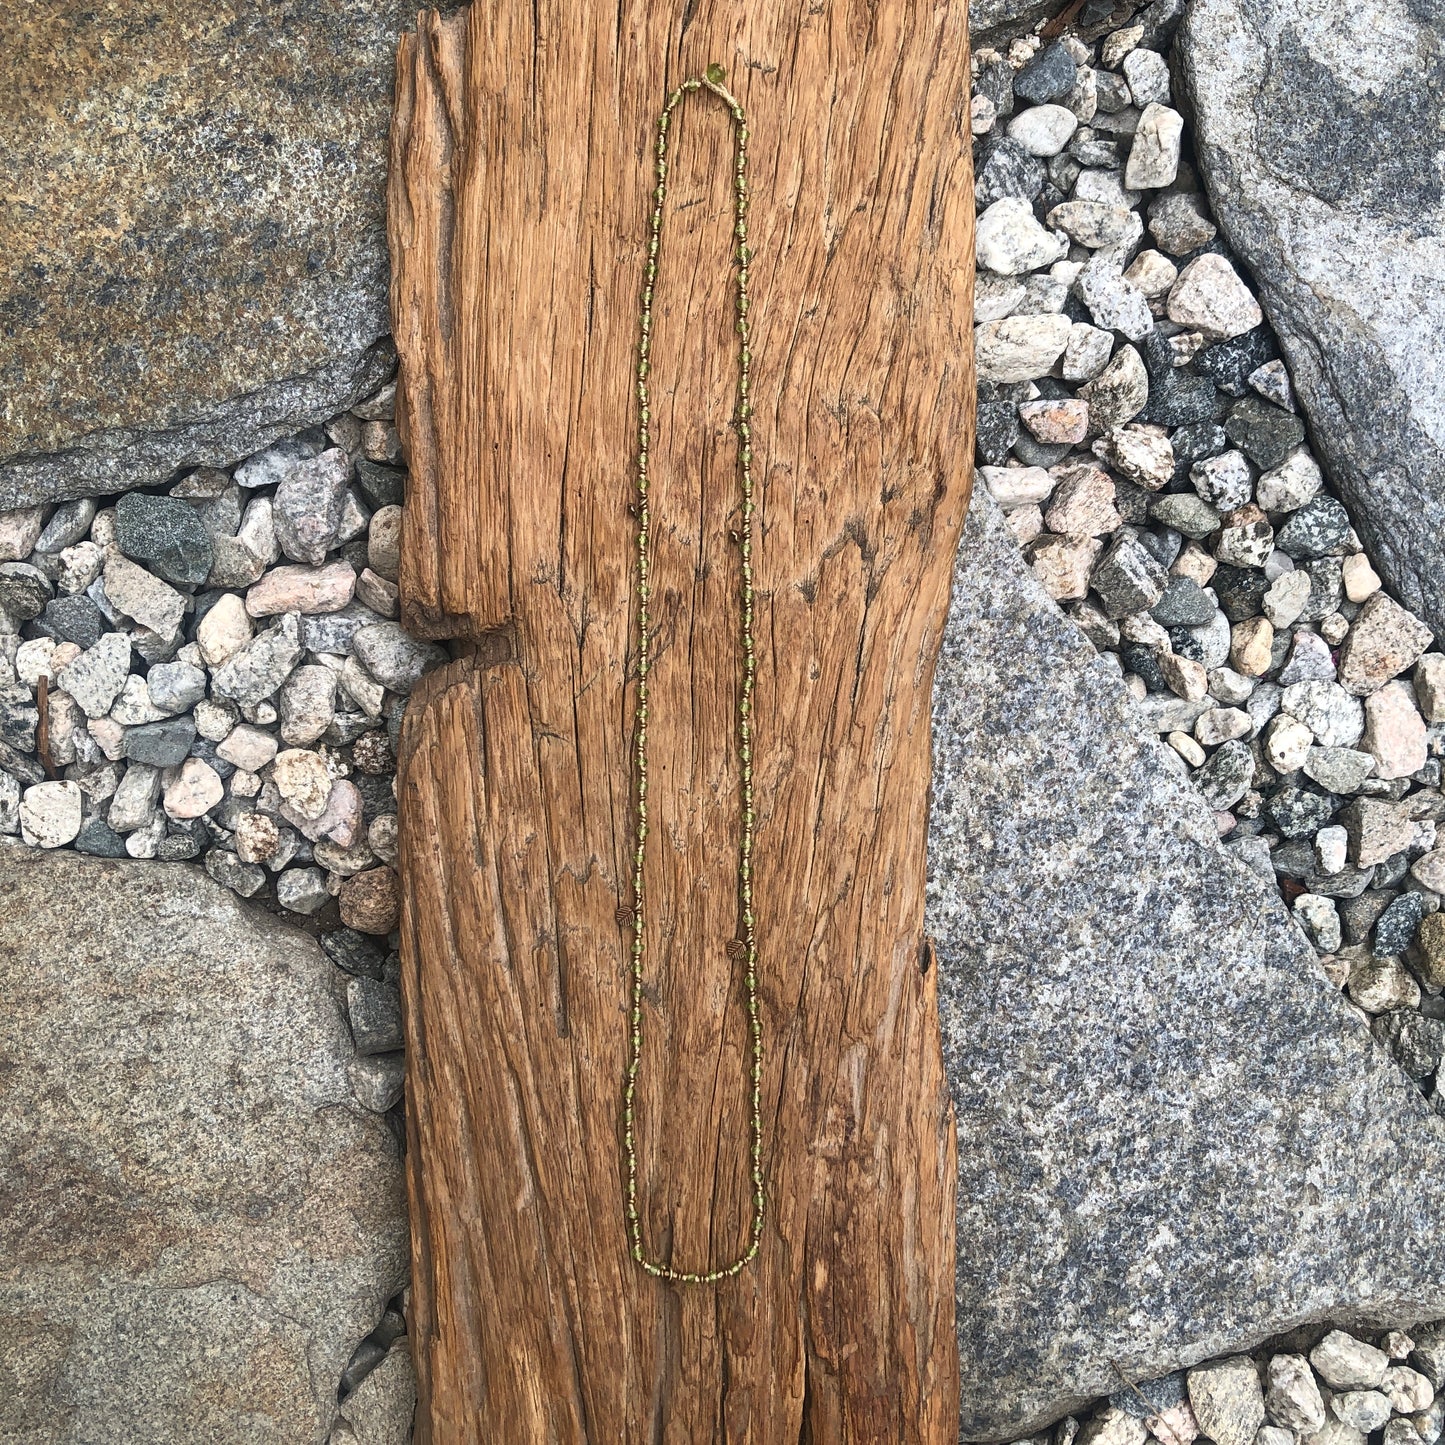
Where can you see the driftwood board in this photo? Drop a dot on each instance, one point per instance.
(520, 191)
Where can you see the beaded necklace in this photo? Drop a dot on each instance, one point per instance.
(744, 947)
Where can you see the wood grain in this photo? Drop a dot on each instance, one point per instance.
(519, 199)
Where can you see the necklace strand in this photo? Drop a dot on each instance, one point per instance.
(745, 947)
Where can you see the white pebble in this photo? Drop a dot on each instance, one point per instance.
(1009, 240)
(247, 747)
(1044, 130)
(302, 779)
(1287, 742)
(224, 630)
(1018, 348)
(1187, 748)
(1407, 1390)
(1346, 1363)
(1154, 155)
(194, 790)
(1222, 725)
(1148, 75)
(35, 659)
(1087, 353)
(1290, 485)
(1152, 272)
(215, 718)
(1210, 298)
(1360, 579)
(1320, 919)
(1332, 846)
(50, 814)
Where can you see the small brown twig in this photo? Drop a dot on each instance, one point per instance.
(1061, 21)
(42, 736)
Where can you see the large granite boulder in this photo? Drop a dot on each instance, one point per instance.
(199, 1223)
(1175, 1138)
(193, 252)
(1320, 143)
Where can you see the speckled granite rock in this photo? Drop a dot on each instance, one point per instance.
(199, 1223)
(192, 249)
(1174, 1137)
(1319, 142)
(993, 19)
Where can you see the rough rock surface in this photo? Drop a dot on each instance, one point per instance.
(381, 1410)
(1003, 17)
(199, 1223)
(1127, 1008)
(192, 249)
(1319, 141)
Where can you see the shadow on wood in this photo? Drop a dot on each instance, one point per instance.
(520, 194)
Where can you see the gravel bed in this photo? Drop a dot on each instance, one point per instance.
(1138, 426)
(1317, 1386)
(214, 671)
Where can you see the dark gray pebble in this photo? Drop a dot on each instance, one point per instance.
(1398, 925)
(1318, 529)
(1049, 75)
(1139, 659)
(1164, 544)
(998, 430)
(1294, 859)
(177, 848)
(1111, 91)
(1417, 1043)
(161, 744)
(1193, 443)
(1184, 604)
(1359, 915)
(1007, 169)
(1266, 434)
(1177, 397)
(205, 749)
(1347, 883)
(1327, 587)
(1160, 20)
(375, 1013)
(996, 80)
(98, 840)
(227, 869)
(1150, 1397)
(1240, 591)
(165, 535)
(24, 590)
(1034, 453)
(1227, 775)
(354, 952)
(71, 619)
(1299, 812)
(19, 717)
(1228, 363)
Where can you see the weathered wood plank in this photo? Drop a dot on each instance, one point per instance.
(519, 202)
